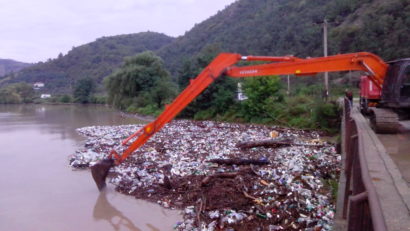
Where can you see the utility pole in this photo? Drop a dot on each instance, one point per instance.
(288, 85)
(326, 93)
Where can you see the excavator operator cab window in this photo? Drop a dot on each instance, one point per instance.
(405, 88)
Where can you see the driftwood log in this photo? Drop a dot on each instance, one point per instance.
(272, 143)
(240, 161)
(207, 179)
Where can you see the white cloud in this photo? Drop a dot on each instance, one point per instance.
(34, 31)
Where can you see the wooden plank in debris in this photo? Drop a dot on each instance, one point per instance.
(272, 143)
(240, 161)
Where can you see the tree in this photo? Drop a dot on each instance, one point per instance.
(142, 81)
(83, 89)
(265, 97)
(214, 100)
(8, 96)
(17, 93)
(24, 90)
(162, 92)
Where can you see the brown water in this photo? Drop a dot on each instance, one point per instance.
(39, 191)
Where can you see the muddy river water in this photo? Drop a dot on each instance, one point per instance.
(39, 191)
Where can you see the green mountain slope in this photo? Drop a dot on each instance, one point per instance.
(8, 66)
(96, 60)
(257, 27)
(283, 27)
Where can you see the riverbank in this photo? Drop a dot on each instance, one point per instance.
(177, 169)
(145, 118)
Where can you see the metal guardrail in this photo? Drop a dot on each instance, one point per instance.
(361, 205)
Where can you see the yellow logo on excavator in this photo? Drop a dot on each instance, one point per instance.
(148, 129)
(298, 71)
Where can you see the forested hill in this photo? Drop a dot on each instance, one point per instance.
(283, 27)
(96, 60)
(257, 27)
(8, 66)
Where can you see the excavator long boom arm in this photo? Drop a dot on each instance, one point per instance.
(223, 64)
(362, 61)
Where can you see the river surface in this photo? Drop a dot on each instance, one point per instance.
(39, 191)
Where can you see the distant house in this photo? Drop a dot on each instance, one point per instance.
(45, 96)
(38, 85)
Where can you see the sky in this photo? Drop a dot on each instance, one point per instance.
(36, 30)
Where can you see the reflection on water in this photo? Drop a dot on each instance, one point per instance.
(105, 211)
(38, 189)
(109, 208)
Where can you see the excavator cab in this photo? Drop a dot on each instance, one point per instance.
(394, 105)
(396, 89)
(405, 88)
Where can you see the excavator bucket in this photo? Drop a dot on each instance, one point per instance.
(100, 171)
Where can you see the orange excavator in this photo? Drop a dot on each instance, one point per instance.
(385, 91)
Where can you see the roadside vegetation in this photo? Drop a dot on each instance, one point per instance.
(267, 101)
(143, 85)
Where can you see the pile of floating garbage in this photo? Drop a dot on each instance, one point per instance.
(222, 177)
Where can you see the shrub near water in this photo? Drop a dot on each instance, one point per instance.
(17, 93)
(265, 99)
(299, 111)
(327, 116)
(65, 99)
(143, 86)
(267, 103)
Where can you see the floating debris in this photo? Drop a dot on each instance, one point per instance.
(196, 166)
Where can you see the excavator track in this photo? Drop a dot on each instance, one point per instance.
(384, 121)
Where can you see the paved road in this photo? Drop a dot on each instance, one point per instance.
(405, 125)
(388, 163)
(398, 148)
